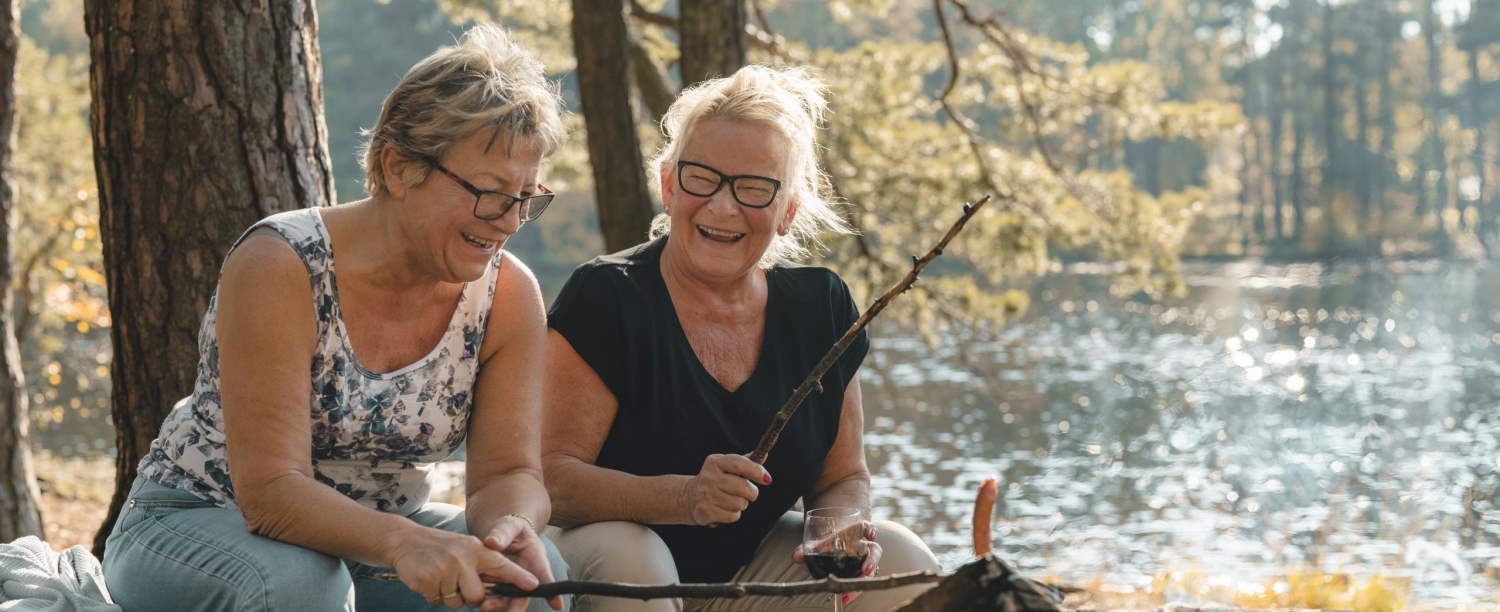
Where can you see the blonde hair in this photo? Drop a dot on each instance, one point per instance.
(791, 101)
(485, 82)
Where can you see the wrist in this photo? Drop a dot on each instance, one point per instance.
(523, 519)
(685, 502)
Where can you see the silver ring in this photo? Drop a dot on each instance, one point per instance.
(447, 596)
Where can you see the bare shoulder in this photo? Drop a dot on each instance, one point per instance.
(264, 280)
(267, 263)
(517, 312)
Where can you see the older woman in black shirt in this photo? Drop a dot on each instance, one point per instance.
(667, 361)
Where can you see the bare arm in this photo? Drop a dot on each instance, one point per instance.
(267, 330)
(579, 412)
(845, 481)
(504, 462)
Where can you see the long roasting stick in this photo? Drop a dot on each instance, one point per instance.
(811, 383)
(731, 590)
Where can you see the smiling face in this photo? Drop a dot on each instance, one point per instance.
(438, 215)
(715, 237)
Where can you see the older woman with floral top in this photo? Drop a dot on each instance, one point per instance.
(299, 466)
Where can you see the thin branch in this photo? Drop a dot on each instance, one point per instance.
(813, 380)
(651, 78)
(657, 19)
(774, 42)
(1020, 65)
(729, 590)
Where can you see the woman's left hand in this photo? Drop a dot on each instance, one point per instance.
(872, 556)
(515, 539)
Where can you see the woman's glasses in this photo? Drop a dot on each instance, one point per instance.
(492, 205)
(749, 190)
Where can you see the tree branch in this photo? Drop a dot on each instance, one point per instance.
(730, 590)
(813, 380)
(657, 19)
(650, 76)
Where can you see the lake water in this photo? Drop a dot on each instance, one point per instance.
(1342, 418)
(1279, 418)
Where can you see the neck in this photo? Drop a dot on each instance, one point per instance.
(744, 289)
(383, 256)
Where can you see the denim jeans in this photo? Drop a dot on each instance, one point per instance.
(170, 550)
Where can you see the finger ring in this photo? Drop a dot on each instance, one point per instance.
(434, 600)
(450, 595)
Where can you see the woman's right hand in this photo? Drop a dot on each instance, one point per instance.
(434, 563)
(723, 489)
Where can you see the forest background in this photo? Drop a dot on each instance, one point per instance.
(1133, 133)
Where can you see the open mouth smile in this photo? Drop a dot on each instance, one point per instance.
(717, 235)
(479, 242)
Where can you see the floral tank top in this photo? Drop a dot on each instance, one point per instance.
(374, 436)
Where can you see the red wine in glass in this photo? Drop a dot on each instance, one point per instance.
(833, 544)
(841, 565)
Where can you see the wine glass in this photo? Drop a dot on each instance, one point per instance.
(833, 544)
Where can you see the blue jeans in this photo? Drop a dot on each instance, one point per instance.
(170, 550)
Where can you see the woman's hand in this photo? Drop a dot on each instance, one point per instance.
(864, 540)
(446, 567)
(723, 489)
(516, 541)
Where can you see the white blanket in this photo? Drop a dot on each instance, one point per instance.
(34, 578)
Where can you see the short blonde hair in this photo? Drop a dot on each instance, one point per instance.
(485, 82)
(791, 101)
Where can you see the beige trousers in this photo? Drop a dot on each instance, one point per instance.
(618, 551)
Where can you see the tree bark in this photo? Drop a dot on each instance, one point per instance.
(713, 39)
(602, 45)
(207, 117)
(20, 510)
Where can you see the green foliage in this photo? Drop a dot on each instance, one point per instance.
(904, 166)
(61, 311)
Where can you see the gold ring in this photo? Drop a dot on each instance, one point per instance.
(435, 600)
(447, 596)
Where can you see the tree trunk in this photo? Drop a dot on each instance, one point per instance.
(1436, 150)
(1388, 31)
(1278, 120)
(602, 45)
(1299, 124)
(207, 117)
(1486, 229)
(20, 511)
(1362, 129)
(713, 39)
(1327, 179)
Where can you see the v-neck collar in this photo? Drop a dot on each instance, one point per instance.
(761, 360)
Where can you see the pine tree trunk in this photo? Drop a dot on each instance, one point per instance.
(1436, 150)
(1388, 31)
(713, 39)
(20, 510)
(602, 45)
(207, 117)
(1277, 57)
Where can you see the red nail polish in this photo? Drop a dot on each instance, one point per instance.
(767, 479)
(846, 599)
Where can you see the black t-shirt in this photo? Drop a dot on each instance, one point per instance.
(616, 313)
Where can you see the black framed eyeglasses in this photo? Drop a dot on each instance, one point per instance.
(492, 205)
(748, 189)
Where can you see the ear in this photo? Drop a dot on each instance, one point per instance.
(668, 189)
(786, 219)
(395, 167)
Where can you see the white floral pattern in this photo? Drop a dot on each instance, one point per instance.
(374, 436)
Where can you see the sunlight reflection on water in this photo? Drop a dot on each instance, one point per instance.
(1338, 417)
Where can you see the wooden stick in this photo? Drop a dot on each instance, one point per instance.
(731, 590)
(813, 380)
